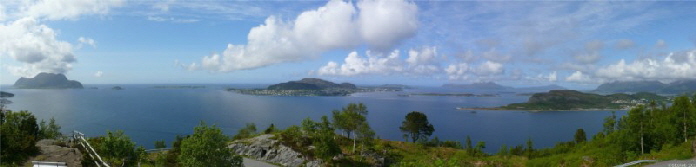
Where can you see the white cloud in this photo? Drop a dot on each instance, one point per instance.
(35, 45)
(86, 41)
(677, 65)
(422, 61)
(580, 77)
(67, 9)
(335, 25)
(552, 76)
(98, 74)
(373, 63)
(464, 71)
(384, 23)
(171, 19)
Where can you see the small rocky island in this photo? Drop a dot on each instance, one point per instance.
(304, 87)
(47, 81)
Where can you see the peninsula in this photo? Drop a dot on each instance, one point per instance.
(47, 81)
(576, 100)
(304, 87)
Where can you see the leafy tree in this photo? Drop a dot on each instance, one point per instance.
(117, 149)
(469, 146)
(504, 150)
(270, 129)
(478, 151)
(309, 126)
(19, 133)
(207, 146)
(246, 132)
(160, 144)
(350, 119)
(610, 123)
(580, 136)
(417, 126)
(530, 148)
(50, 130)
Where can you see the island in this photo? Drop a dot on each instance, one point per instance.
(117, 88)
(482, 85)
(449, 94)
(303, 87)
(558, 100)
(47, 81)
(676, 87)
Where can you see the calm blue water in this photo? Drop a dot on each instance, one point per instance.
(148, 114)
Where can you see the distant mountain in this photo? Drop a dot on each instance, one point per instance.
(545, 88)
(310, 84)
(483, 85)
(47, 81)
(677, 87)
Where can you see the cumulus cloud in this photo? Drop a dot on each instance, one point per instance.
(463, 71)
(381, 24)
(386, 22)
(98, 74)
(86, 41)
(677, 65)
(67, 9)
(373, 63)
(579, 77)
(552, 76)
(420, 61)
(35, 45)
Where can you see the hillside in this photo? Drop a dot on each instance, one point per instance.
(576, 100)
(677, 87)
(310, 84)
(47, 81)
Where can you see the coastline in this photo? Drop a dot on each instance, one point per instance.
(505, 109)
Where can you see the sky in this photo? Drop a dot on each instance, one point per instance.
(576, 44)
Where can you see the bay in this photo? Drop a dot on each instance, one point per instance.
(148, 114)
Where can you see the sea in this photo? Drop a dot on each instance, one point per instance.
(149, 113)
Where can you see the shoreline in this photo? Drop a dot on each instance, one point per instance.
(505, 109)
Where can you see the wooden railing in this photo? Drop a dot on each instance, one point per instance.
(80, 138)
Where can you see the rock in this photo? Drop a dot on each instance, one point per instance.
(52, 152)
(47, 81)
(263, 148)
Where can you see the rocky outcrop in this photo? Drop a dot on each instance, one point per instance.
(47, 81)
(50, 151)
(264, 148)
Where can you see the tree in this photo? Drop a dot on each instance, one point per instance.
(469, 146)
(530, 148)
(246, 132)
(117, 149)
(504, 150)
(207, 146)
(160, 144)
(270, 129)
(416, 125)
(610, 123)
(580, 136)
(350, 119)
(50, 130)
(18, 135)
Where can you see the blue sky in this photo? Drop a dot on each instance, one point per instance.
(576, 44)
